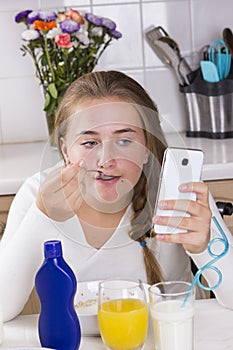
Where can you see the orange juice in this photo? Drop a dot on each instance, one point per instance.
(123, 323)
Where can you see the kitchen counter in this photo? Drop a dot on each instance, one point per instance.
(212, 330)
(19, 161)
(218, 154)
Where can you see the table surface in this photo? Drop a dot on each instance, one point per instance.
(213, 330)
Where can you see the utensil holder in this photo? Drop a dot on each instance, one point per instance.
(209, 107)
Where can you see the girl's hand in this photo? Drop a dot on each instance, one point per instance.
(60, 196)
(197, 237)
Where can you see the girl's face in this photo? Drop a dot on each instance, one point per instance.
(107, 135)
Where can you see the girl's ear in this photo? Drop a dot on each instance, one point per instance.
(64, 150)
(146, 156)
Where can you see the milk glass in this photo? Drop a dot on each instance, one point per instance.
(1, 325)
(172, 313)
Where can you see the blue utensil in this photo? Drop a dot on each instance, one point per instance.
(210, 265)
(209, 71)
(218, 53)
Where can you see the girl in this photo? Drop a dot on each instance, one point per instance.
(100, 201)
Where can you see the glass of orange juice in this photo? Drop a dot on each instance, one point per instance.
(122, 314)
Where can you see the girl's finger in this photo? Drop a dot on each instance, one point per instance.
(201, 190)
(185, 223)
(71, 176)
(193, 208)
(69, 172)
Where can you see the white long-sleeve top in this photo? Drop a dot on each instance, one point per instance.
(21, 252)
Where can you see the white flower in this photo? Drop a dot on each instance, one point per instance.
(83, 38)
(30, 34)
(53, 32)
(97, 31)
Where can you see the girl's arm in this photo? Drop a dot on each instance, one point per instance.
(201, 229)
(224, 291)
(21, 248)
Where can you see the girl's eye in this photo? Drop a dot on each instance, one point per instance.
(124, 142)
(89, 144)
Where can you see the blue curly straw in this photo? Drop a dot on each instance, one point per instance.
(209, 265)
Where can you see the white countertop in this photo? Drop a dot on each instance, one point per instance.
(212, 330)
(218, 154)
(19, 161)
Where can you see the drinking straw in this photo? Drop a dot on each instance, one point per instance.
(209, 265)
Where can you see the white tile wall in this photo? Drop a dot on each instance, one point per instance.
(192, 23)
(126, 53)
(22, 117)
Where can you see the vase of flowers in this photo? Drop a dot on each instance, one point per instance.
(63, 46)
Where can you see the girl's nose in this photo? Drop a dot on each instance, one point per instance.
(106, 156)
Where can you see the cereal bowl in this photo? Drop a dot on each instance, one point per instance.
(86, 306)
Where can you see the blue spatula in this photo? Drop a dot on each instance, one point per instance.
(209, 71)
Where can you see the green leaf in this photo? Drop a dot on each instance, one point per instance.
(52, 106)
(47, 101)
(52, 90)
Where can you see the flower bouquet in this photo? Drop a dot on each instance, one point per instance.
(64, 46)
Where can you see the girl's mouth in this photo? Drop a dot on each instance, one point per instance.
(102, 176)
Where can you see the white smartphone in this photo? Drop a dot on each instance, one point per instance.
(180, 165)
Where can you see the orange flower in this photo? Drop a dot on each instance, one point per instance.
(41, 25)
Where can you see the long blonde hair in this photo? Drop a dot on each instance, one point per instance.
(104, 84)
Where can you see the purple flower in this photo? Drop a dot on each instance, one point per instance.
(32, 17)
(30, 34)
(47, 16)
(93, 19)
(108, 23)
(69, 26)
(115, 34)
(21, 16)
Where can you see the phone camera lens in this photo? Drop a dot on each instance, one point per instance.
(185, 161)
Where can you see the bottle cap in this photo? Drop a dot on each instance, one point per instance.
(52, 249)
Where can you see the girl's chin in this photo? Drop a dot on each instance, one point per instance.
(108, 197)
(115, 193)
(108, 203)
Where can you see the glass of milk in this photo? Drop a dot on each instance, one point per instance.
(172, 313)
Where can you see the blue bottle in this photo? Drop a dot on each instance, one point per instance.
(56, 285)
